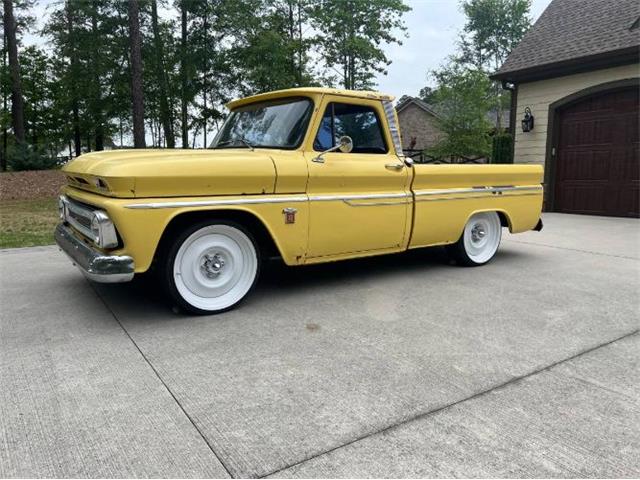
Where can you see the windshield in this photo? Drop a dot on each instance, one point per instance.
(279, 123)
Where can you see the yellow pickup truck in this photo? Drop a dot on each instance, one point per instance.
(308, 174)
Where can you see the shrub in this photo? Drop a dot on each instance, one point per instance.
(501, 148)
(25, 157)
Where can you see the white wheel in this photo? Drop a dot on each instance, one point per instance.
(214, 267)
(479, 241)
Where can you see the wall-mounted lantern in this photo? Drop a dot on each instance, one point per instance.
(527, 121)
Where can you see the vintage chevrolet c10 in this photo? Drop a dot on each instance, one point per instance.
(309, 174)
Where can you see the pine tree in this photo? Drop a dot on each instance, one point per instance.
(137, 95)
(17, 103)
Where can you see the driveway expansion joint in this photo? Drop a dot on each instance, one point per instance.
(458, 402)
(164, 384)
(626, 257)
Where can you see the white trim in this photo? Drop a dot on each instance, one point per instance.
(448, 191)
(215, 203)
(368, 196)
(375, 204)
(482, 191)
(470, 197)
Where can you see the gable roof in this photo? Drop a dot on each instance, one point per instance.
(406, 100)
(576, 35)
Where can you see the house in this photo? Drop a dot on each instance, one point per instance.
(577, 72)
(418, 122)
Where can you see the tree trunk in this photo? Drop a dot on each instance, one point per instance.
(17, 103)
(300, 45)
(204, 82)
(137, 96)
(3, 156)
(291, 40)
(165, 113)
(75, 109)
(97, 87)
(183, 75)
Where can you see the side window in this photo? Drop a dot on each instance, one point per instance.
(360, 122)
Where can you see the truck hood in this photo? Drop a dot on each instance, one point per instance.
(173, 173)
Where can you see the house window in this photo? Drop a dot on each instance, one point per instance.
(360, 122)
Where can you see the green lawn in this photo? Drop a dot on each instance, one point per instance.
(27, 223)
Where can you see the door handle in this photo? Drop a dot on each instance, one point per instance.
(394, 166)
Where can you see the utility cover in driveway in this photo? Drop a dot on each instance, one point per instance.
(598, 164)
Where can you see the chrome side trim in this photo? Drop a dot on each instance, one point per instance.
(332, 198)
(351, 203)
(368, 196)
(470, 197)
(94, 264)
(215, 203)
(476, 190)
(277, 199)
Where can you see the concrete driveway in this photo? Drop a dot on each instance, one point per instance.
(400, 366)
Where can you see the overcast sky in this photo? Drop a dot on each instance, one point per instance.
(433, 28)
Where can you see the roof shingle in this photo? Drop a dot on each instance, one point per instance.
(573, 29)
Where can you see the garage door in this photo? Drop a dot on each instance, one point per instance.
(598, 164)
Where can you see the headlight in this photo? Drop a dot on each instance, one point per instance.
(103, 230)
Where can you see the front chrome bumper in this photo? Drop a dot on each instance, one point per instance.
(94, 264)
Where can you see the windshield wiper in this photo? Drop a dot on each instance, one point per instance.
(234, 140)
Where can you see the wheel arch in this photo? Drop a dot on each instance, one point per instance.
(503, 215)
(267, 241)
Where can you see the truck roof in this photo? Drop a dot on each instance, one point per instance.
(308, 91)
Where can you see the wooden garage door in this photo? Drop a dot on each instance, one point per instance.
(598, 164)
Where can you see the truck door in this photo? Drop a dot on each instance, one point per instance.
(359, 201)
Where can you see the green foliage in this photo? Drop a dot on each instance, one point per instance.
(493, 28)
(77, 89)
(501, 151)
(427, 94)
(25, 157)
(462, 103)
(270, 50)
(350, 38)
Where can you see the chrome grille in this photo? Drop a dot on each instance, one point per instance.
(78, 216)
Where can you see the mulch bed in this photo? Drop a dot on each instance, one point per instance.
(30, 185)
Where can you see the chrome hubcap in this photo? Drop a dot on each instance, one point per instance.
(477, 233)
(212, 265)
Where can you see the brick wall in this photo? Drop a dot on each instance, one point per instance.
(415, 122)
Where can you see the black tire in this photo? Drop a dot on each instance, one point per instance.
(168, 258)
(456, 252)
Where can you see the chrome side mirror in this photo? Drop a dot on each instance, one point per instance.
(345, 145)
